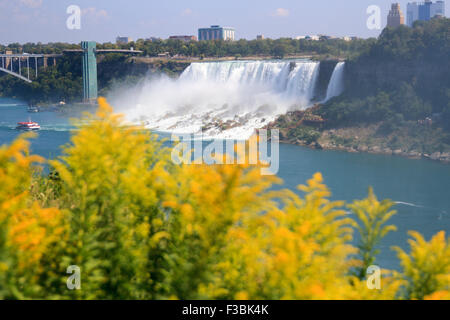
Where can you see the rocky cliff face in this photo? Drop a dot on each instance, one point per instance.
(325, 71)
(427, 77)
(120, 67)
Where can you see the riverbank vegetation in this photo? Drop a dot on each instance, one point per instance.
(217, 48)
(140, 227)
(400, 137)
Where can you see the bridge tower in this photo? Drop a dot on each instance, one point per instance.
(90, 87)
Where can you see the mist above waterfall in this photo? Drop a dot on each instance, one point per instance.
(221, 99)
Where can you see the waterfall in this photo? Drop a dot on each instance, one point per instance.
(275, 77)
(336, 85)
(222, 99)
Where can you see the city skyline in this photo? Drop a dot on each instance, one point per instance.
(103, 21)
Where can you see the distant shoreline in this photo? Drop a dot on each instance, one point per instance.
(355, 139)
(414, 155)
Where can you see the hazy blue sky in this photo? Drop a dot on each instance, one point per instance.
(103, 20)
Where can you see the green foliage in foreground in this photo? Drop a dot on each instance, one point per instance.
(140, 227)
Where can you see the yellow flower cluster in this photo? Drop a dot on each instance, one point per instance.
(427, 267)
(140, 227)
(27, 231)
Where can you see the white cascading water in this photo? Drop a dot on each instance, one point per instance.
(336, 85)
(221, 99)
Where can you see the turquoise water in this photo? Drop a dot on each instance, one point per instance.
(421, 188)
(55, 127)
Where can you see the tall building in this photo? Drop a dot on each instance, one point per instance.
(412, 13)
(123, 40)
(216, 33)
(424, 11)
(395, 17)
(438, 9)
(90, 86)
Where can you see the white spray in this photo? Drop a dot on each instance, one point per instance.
(221, 99)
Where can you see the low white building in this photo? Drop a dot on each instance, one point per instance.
(314, 38)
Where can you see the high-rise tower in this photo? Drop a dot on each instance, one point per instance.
(395, 17)
(90, 88)
(424, 11)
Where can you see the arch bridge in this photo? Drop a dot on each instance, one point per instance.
(7, 64)
(89, 65)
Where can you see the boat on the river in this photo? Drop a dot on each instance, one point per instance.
(33, 109)
(28, 126)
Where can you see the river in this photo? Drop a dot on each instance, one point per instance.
(421, 188)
